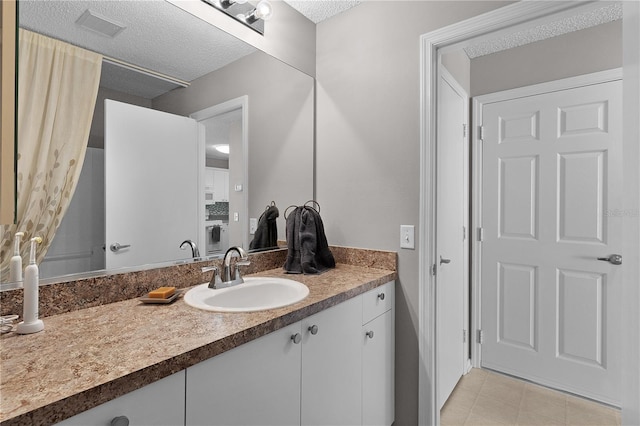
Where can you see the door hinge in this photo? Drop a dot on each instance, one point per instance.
(480, 336)
(480, 234)
(464, 336)
(464, 233)
(434, 268)
(464, 130)
(480, 132)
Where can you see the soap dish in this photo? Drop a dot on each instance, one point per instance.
(147, 299)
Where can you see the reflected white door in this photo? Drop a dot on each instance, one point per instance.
(552, 173)
(451, 204)
(151, 184)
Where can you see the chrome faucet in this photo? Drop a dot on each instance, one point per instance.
(229, 278)
(195, 253)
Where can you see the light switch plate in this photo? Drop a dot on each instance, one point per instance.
(253, 225)
(407, 237)
(236, 217)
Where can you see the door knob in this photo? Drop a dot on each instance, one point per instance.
(369, 334)
(614, 259)
(443, 260)
(296, 338)
(313, 329)
(116, 247)
(120, 421)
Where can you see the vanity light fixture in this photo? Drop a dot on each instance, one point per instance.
(242, 11)
(225, 4)
(263, 11)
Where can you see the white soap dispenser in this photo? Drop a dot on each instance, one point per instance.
(30, 322)
(15, 267)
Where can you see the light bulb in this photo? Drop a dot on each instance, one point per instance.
(222, 148)
(264, 10)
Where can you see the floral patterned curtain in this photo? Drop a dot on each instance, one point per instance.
(57, 91)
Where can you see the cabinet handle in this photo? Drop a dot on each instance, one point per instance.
(313, 329)
(381, 296)
(120, 421)
(297, 338)
(369, 334)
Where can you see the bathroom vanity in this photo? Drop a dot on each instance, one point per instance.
(328, 359)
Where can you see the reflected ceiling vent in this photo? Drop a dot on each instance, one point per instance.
(93, 21)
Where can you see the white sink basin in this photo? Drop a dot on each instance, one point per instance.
(255, 294)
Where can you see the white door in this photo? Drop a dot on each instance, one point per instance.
(552, 176)
(450, 277)
(151, 209)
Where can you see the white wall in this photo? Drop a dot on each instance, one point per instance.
(631, 244)
(367, 154)
(581, 52)
(280, 125)
(459, 66)
(96, 134)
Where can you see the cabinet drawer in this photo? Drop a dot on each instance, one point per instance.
(377, 301)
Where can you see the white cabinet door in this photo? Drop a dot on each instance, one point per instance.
(257, 383)
(331, 366)
(378, 350)
(208, 178)
(378, 371)
(220, 185)
(160, 403)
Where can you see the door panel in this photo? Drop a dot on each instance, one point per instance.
(152, 208)
(450, 279)
(551, 173)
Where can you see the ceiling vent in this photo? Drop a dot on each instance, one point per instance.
(99, 24)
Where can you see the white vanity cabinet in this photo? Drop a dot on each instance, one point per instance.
(378, 346)
(335, 367)
(331, 360)
(257, 383)
(159, 403)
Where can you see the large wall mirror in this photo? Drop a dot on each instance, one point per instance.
(258, 107)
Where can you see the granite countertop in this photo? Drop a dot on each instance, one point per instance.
(89, 356)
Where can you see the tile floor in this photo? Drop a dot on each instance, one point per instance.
(483, 397)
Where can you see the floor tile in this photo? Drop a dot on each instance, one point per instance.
(485, 398)
(453, 415)
(505, 389)
(540, 400)
(495, 409)
(527, 418)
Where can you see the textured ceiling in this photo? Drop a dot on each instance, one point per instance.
(319, 10)
(158, 36)
(600, 15)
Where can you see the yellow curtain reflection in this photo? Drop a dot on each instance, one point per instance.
(57, 90)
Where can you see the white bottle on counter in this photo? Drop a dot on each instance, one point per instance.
(31, 323)
(15, 267)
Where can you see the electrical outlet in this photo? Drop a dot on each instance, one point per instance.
(253, 225)
(407, 236)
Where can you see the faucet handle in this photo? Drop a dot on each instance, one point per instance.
(215, 279)
(237, 276)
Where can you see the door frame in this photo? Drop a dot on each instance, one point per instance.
(476, 210)
(528, 13)
(241, 103)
